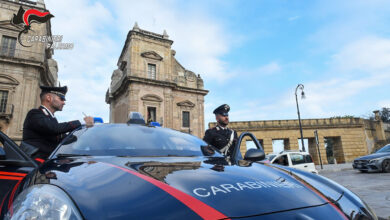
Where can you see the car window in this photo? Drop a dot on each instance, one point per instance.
(270, 157)
(384, 149)
(297, 159)
(282, 160)
(308, 159)
(131, 140)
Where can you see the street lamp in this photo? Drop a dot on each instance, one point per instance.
(300, 86)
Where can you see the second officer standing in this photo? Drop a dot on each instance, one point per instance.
(221, 136)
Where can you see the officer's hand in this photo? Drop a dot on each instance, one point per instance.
(88, 121)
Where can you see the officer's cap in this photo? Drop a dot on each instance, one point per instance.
(59, 91)
(222, 110)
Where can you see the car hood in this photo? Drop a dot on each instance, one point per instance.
(373, 156)
(123, 187)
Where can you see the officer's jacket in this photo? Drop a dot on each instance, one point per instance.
(219, 137)
(43, 131)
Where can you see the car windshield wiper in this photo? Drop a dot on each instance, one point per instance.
(71, 155)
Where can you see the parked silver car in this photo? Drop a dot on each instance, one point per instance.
(378, 161)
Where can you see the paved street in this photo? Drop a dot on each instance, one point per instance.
(373, 188)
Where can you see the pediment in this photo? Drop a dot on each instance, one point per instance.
(4, 79)
(152, 55)
(152, 98)
(186, 103)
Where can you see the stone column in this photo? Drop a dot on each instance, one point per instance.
(322, 149)
(267, 145)
(134, 100)
(294, 143)
(168, 114)
(201, 115)
(286, 143)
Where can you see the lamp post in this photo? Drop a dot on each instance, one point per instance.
(300, 86)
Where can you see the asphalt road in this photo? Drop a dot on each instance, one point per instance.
(373, 188)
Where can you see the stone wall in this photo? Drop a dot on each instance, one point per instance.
(351, 135)
(23, 70)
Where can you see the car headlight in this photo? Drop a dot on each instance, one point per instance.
(374, 160)
(43, 202)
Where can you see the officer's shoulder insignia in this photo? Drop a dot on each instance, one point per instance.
(45, 112)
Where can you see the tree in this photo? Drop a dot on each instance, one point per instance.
(384, 114)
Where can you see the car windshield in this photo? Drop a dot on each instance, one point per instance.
(131, 140)
(385, 149)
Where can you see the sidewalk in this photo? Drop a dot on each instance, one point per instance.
(334, 167)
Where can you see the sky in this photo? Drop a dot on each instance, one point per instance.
(250, 54)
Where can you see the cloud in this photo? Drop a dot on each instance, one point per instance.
(99, 29)
(270, 68)
(384, 103)
(293, 18)
(361, 65)
(199, 40)
(369, 54)
(87, 68)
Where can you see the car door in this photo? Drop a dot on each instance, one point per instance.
(14, 167)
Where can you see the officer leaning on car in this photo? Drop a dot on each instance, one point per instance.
(41, 130)
(221, 136)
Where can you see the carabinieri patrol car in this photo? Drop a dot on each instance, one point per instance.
(132, 171)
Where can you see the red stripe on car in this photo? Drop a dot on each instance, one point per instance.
(11, 178)
(39, 160)
(12, 174)
(200, 208)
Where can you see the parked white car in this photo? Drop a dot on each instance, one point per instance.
(296, 159)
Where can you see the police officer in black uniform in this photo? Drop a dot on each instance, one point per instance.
(41, 130)
(221, 136)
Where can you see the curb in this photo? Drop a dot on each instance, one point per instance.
(334, 168)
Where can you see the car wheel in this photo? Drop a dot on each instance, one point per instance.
(386, 166)
(363, 171)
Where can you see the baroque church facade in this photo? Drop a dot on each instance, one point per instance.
(22, 69)
(151, 81)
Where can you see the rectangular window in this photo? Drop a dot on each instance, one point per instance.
(3, 101)
(186, 119)
(8, 45)
(151, 114)
(151, 71)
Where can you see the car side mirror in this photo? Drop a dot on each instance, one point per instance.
(2, 154)
(254, 155)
